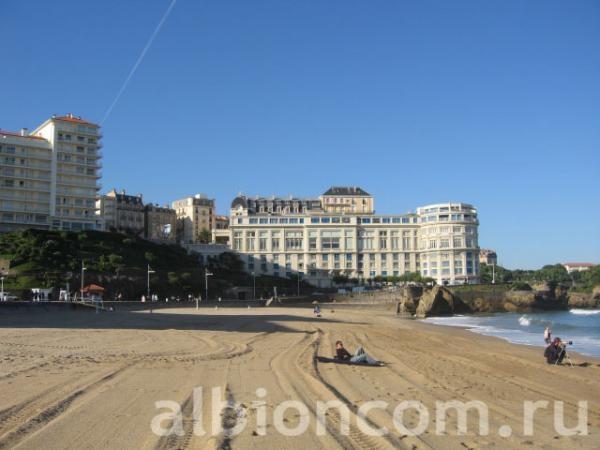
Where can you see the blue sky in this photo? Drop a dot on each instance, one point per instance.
(495, 103)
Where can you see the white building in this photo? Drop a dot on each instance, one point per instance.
(303, 237)
(577, 267)
(49, 177)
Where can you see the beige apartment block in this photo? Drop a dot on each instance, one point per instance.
(160, 223)
(122, 212)
(347, 200)
(305, 238)
(50, 177)
(220, 233)
(195, 214)
(488, 257)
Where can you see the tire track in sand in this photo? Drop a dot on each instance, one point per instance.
(28, 422)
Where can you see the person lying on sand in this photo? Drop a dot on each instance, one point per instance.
(359, 357)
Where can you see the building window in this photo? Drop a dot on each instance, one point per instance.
(262, 241)
(365, 240)
(293, 240)
(250, 238)
(330, 240)
(383, 240)
(312, 240)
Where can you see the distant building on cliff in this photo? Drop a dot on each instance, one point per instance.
(160, 223)
(488, 257)
(195, 215)
(577, 267)
(122, 212)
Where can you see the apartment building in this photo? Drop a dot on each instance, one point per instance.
(488, 257)
(122, 212)
(347, 200)
(160, 223)
(195, 214)
(318, 239)
(220, 233)
(49, 177)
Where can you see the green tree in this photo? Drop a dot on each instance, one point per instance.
(204, 236)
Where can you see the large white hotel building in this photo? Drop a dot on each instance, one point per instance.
(340, 234)
(49, 177)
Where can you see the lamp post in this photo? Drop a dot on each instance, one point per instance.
(148, 287)
(83, 269)
(2, 293)
(253, 286)
(148, 283)
(493, 273)
(206, 275)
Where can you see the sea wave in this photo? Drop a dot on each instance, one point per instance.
(524, 321)
(527, 329)
(584, 312)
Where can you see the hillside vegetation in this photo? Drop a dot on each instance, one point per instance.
(119, 263)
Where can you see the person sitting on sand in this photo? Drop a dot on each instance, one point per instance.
(341, 353)
(555, 352)
(359, 357)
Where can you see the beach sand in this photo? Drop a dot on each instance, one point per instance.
(81, 380)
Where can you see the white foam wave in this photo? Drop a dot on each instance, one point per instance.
(585, 312)
(524, 321)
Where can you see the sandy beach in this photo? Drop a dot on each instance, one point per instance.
(78, 380)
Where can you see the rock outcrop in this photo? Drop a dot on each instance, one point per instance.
(583, 300)
(439, 301)
(410, 299)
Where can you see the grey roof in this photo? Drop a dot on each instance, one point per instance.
(346, 190)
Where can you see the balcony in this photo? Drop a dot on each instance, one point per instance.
(25, 208)
(25, 176)
(27, 165)
(87, 164)
(78, 184)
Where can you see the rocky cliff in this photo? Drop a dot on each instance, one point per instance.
(440, 300)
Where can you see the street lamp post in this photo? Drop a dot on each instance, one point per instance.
(253, 286)
(148, 283)
(206, 275)
(148, 286)
(83, 269)
(2, 293)
(493, 273)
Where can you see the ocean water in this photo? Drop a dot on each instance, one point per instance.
(578, 325)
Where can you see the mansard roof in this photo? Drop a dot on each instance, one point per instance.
(346, 190)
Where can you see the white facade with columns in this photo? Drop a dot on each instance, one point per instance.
(299, 237)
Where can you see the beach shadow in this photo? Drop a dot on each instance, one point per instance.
(204, 319)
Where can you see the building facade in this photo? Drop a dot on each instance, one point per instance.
(488, 257)
(160, 223)
(50, 177)
(122, 212)
(220, 233)
(577, 266)
(307, 238)
(195, 215)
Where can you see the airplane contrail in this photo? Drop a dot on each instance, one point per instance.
(139, 60)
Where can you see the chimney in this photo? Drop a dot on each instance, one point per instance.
(24, 131)
(123, 191)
